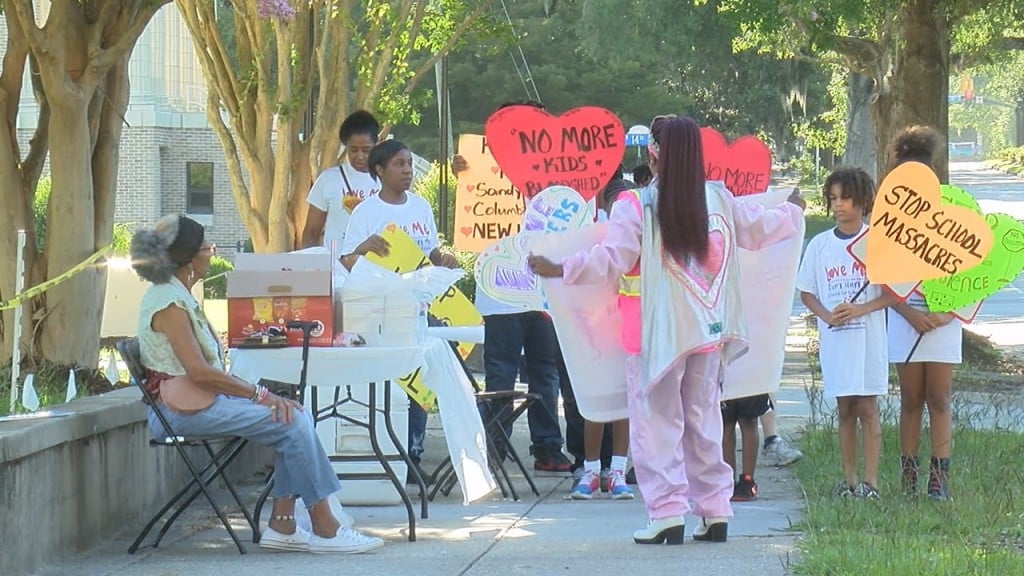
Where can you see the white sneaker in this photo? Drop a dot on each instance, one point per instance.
(273, 540)
(779, 453)
(346, 541)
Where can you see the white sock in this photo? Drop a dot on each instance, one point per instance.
(619, 463)
(592, 466)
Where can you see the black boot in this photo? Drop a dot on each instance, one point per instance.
(909, 464)
(938, 479)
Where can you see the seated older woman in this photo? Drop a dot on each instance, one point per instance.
(186, 375)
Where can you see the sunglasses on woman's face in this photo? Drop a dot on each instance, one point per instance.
(210, 248)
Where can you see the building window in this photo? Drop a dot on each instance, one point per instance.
(199, 195)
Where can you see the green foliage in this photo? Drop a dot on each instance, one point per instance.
(1011, 160)
(215, 285)
(122, 239)
(39, 203)
(428, 187)
(468, 282)
(51, 383)
(978, 533)
(827, 130)
(482, 75)
(1001, 83)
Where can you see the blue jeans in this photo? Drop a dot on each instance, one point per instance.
(301, 466)
(506, 337)
(417, 431)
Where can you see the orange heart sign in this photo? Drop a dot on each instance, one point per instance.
(914, 236)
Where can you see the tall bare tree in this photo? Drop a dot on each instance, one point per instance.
(273, 60)
(78, 52)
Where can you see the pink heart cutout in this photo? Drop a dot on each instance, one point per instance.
(705, 279)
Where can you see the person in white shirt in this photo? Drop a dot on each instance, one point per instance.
(851, 327)
(339, 189)
(390, 162)
(925, 347)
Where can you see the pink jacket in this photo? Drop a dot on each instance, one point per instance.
(619, 253)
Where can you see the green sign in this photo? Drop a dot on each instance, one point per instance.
(1000, 267)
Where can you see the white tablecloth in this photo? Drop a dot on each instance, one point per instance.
(332, 367)
(339, 367)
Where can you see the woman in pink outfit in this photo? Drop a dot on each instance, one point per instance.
(684, 329)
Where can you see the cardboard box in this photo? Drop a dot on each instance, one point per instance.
(382, 320)
(266, 291)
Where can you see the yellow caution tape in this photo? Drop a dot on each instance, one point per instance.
(40, 288)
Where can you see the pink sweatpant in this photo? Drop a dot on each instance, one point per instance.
(675, 433)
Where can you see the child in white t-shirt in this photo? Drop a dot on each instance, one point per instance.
(339, 189)
(851, 327)
(925, 347)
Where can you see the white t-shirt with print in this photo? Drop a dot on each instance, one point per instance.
(854, 359)
(331, 195)
(414, 216)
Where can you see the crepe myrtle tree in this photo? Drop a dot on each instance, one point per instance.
(283, 74)
(77, 54)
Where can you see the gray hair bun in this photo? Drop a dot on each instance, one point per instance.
(149, 250)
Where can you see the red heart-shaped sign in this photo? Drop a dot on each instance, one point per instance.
(537, 150)
(745, 165)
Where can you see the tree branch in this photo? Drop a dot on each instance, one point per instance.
(862, 55)
(385, 56)
(26, 14)
(254, 223)
(456, 35)
(102, 59)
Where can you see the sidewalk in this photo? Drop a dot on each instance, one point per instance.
(546, 535)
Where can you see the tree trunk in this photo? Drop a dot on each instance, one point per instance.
(74, 308)
(918, 91)
(860, 131)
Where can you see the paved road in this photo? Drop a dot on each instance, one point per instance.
(995, 192)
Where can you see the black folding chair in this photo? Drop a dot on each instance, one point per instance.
(230, 447)
(499, 410)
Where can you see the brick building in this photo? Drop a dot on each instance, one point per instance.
(171, 160)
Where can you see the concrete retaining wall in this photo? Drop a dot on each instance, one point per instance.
(68, 483)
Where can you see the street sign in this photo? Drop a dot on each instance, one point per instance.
(637, 139)
(638, 135)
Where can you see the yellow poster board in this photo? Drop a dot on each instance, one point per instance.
(452, 308)
(487, 206)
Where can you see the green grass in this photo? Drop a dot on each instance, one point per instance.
(51, 385)
(979, 532)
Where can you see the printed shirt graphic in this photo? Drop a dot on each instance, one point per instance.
(330, 194)
(854, 355)
(414, 217)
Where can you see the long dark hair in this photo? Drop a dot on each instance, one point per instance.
(682, 206)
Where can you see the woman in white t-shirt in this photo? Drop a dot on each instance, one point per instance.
(925, 371)
(339, 189)
(391, 163)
